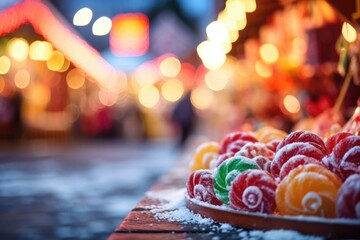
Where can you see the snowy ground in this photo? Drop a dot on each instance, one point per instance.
(75, 191)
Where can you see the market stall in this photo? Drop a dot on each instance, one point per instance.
(259, 175)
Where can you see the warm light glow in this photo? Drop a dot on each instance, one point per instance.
(146, 74)
(235, 9)
(263, 70)
(269, 53)
(215, 81)
(102, 26)
(65, 66)
(212, 54)
(149, 96)
(47, 24)
(2, 84)
(40, 50)
(5, 64)
(299, 46)
(56, 61)
(38, 94)
(170, 67)
(217, 31)
(348, 32)
(75, 79)
(201, 98)
(172, 90)
(291, 104)
(18, 49)
(250, 5)
(82, 17)
(22, 78)
(129, 35)
(117, 84)
(108, 98)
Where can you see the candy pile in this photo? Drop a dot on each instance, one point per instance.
(270, 171)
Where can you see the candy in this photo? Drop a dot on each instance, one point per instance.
(268, 134)
(219, 159)
(293, 149)
(259, 153)
(226, 173)
(303, 136)
(272, 145)
(241, 138)
(253, 191)
(308, 190)
(294, 162)
(200, 186)
(348, 198)
(344, 159)
(252, 150)
(204, 154)
(331, 142)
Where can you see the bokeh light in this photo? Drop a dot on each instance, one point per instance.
(149, 96)
(263, 70)
(291, 104)
(215, 81)
(250, 5)
(22, 78)
(40, 50)
(170, 66)
(18, 49)
(101, 26)
(82, 17)
(172, 90)
(269, 53)
(75, 79)
(212, 54)
(201, 98)
(217, 31)
(56, 61)
(5, 64)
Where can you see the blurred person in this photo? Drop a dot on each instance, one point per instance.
(184, 117)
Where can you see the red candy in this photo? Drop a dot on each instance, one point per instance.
(253, 191)
(303, 136)
(252, 150)
(348, 198)
(331, 142)
(241, 138)
(344, 160)
(293, 149)
(219, 159)
(272, 145)
(200, 186)
(294, 162)
(259, 153)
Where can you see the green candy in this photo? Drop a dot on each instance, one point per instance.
(226, 173)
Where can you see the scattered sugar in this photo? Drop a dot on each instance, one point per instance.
(173, 209)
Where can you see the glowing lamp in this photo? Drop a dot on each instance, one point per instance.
(129, 35)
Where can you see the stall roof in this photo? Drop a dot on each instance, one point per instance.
(49, 23)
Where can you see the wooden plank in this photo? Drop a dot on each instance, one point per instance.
(175, 235)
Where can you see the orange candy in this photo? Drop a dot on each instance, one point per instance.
(204, 154)
(308, 190)
(268, 134)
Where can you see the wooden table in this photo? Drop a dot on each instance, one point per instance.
(141, 222)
